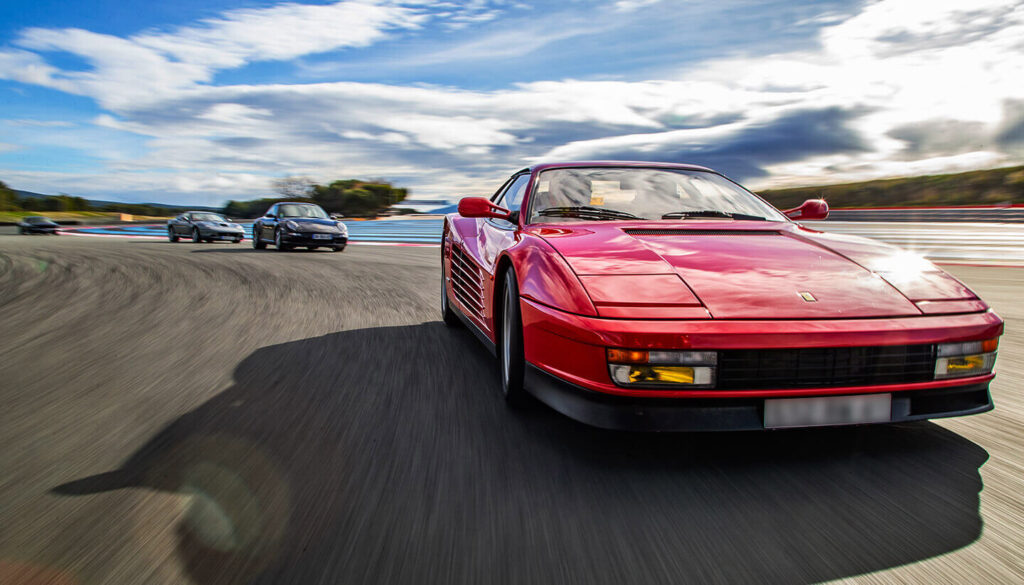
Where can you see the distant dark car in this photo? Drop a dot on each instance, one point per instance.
(203, 226)
(37, 224)
(288, 225)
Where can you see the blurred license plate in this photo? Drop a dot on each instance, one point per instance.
(321, 236)
(829, 410)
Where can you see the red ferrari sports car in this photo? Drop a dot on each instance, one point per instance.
(653, 296)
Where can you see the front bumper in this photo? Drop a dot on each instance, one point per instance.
(221, 234)
(569, 368)
(726, 414)
(313, 239)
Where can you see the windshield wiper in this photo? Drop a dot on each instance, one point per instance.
(711, 213)
(587, 212)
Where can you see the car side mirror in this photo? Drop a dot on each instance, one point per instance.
(336, 216)
(270, 216)
(482, 207)
(810, 210)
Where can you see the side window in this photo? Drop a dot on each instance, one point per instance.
(496, 198)
(272, 210)
(513, 198)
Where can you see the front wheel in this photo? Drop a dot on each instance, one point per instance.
(196, 238)
(281, 246)
(173, 237)
(511, 358)
(257, 243)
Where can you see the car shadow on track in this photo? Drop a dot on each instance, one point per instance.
(386, 455)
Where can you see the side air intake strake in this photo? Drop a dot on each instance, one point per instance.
(685, 233)
(467, 282)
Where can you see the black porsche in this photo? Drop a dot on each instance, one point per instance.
(290, 225)
(37, 224)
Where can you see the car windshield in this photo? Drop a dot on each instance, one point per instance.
(294, 210)
(36, 220)
(611, 193)
(207, 217)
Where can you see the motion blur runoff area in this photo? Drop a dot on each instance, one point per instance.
(275, 448)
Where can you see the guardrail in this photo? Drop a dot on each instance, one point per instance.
(932, 214)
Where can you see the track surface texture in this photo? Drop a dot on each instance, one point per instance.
(211, 414)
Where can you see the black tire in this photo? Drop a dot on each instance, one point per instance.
(257, 243)
(337, 248)
(511, 358)
(196, 239)
(236, 240)
(281, 247)
(21, 231)
(173, 237)
(447, 313)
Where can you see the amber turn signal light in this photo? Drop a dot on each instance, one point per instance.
(627, 356)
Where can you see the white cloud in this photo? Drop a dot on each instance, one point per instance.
(631, 5)
(281, 32)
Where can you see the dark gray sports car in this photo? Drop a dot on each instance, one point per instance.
(37, 224)
(288, 225)
(203, 226)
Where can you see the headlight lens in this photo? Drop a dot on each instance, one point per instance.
(291, 225)
(693, 369)
(970, 358)
(342, 228)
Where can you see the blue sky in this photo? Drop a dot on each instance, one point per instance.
(204, 101)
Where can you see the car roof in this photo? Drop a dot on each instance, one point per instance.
(615, 163)
(217, 212)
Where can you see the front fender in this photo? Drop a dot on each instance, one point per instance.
(545, 277)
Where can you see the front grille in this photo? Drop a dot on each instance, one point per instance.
(315, 228)
(758, 369)
(467, 282)
(675, 232)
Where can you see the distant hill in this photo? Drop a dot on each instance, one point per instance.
(989, 187)
(29, 194)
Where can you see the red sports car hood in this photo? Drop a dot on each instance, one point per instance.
(749, 270)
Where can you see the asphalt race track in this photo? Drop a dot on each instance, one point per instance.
(183, 413)
(946, 242)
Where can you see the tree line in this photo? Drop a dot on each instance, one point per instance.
(11, 201)
(349, 197)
